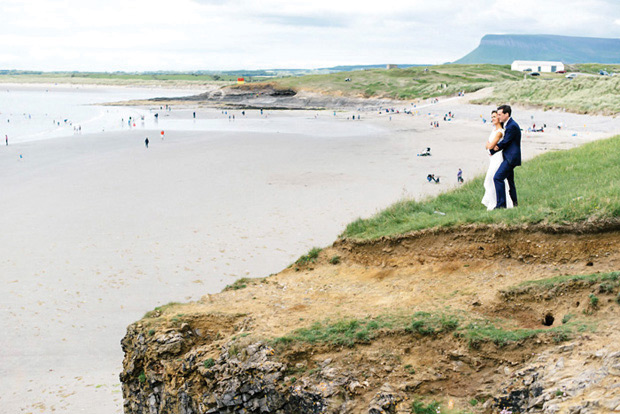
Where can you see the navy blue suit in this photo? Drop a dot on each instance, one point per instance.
(511, 147)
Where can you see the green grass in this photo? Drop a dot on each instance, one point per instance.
(345, 332)
(418, 407)
(609, 280)
(425, 323)
(473, 330)
(594, 300)
(584, 94)
(238, 284)
(160, 310)
(408, 83)
(560, 187)
(310, 257)
(593, 68)
(208, 363)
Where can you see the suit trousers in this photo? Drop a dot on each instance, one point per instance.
(505, 172)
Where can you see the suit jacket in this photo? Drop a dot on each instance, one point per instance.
(511, 144)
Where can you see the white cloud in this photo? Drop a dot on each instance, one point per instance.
(230, 34)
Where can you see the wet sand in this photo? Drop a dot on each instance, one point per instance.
(97, 229)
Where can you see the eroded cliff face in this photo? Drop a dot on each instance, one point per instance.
(384, 329)
(249, 380)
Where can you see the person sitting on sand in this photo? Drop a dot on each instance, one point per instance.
(431, 178)
(425, 153)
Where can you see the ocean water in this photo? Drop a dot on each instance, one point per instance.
(37, 112)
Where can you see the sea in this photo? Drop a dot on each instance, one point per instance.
(35, 112)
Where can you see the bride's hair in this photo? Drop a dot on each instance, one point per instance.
(495, 112)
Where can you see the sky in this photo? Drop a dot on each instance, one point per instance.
(187, 35)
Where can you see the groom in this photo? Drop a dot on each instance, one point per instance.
(511, 147)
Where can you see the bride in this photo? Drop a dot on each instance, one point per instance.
(490, 199)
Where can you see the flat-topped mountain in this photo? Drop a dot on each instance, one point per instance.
(503, 49)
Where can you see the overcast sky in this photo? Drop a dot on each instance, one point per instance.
(138, 35)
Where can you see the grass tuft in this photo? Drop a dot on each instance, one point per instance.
(159, 310)
(609, 281)
(310, 257)
(418, 407)
(208, 363)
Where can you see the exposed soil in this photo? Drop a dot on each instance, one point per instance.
(470, 269)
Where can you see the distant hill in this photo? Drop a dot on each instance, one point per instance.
(504, 49)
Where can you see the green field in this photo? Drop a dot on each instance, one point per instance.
(560, 187)
(410, 83)
(584, 94)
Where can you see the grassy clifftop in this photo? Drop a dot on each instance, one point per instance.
(583, 94)
(561, 187)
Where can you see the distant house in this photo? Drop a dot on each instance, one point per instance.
(390, 66)
(536, 66)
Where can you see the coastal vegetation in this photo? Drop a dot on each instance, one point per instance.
(584, 94)
(577, 185)
(474, 330)
(419, 82)
(609, 282)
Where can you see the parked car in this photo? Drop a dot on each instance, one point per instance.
(560, 71)
(527, 70)
(603, 73)
(571, 76)
(534, 74)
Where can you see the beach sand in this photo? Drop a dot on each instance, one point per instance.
(97, 229)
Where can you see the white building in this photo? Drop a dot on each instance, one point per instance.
(536, 66)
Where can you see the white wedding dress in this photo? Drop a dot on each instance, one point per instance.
(490, 198)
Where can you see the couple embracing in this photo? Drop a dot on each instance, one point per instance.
(504, 145)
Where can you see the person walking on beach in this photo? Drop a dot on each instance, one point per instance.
(146, 142)
(459, 176)
(6, 139)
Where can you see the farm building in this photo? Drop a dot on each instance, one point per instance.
(536, 66)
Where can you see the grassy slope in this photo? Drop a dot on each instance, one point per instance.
(406, 83)
(593, 68)
(583, 94)
(550, 90)
(559, 187)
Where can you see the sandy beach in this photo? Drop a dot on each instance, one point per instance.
(98, 229)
